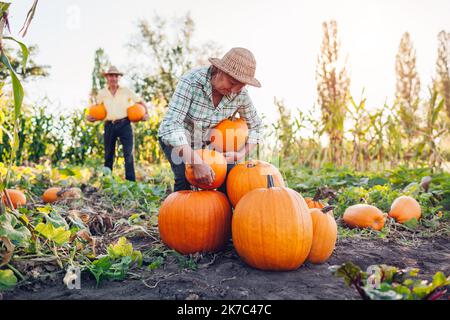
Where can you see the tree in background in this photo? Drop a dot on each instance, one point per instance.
(442, 81)
(333, 84)
(101, 64)
(162, 54)
(407, 88)
(165, 54)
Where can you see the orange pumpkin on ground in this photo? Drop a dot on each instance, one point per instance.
(55, 193)
(364, 216)
(195, 221)
(136, 112)
(218, 164)
(272, 228)
(405, 208)
(249, 175)
(98, 111)
(324, 235)
(229, 135)
(17, 198)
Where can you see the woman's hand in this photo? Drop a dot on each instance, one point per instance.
(145, 117)
(232, 156)
(203, 173)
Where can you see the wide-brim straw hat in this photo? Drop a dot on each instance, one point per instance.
(113, 70)
(240, 64)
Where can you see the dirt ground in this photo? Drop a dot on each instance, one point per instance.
(225, 276)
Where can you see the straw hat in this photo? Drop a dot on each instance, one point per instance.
(113, 70)
(240, 64)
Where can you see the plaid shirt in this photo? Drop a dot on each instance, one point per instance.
(191, 112)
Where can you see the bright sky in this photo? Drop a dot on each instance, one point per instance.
(285, 37)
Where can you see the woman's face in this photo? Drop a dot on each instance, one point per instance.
(225, 84)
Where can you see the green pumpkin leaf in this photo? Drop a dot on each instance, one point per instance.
(412, 223)
(7, 279)
(14, 230)
(59, 235)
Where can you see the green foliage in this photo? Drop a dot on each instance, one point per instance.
(116, 264)
(383, 282)
(14, 230)
(58, 235)
(7, 279)
(23, 63)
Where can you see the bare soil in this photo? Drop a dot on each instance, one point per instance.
(225, 276)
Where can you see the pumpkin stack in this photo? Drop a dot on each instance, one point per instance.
(193, 221)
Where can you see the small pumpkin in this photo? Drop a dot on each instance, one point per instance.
(249, 175)
(17, 198)
(98, 111)
(405, 208)
(272, 228)
(56, 193)
(324, 234)
(136, 112)
(218, 164)
(230, 134)
(364, 216)
(195, 221)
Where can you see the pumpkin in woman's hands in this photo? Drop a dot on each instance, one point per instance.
(229, 135)
(324, 235)
(364, 216)
(405, 208)
(272, 228)
(17, 198)
(136, 112)
(218, 164)
(249, 175)
(195, 221)
(98, 111)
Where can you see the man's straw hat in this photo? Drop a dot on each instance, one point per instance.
(240, 64)
(113, 70)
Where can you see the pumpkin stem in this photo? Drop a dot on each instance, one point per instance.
(270, 183)
(327, 208)
(233, 116)
(317, 196)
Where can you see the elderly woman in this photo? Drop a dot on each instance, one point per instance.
(203, 98)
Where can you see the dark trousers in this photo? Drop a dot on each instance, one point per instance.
(122, 130)
(179, 168)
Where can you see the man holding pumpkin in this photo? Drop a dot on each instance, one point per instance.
(117, 99)
(202, 99)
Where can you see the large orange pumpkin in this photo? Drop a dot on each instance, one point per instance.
(98, 111)
(405, 208)
(272, 228)
(229, 135)
(364, 216)
(17, 198)
(136, 112)
(195, 221)
(248, 176)
(324, 235)
(218, 164)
